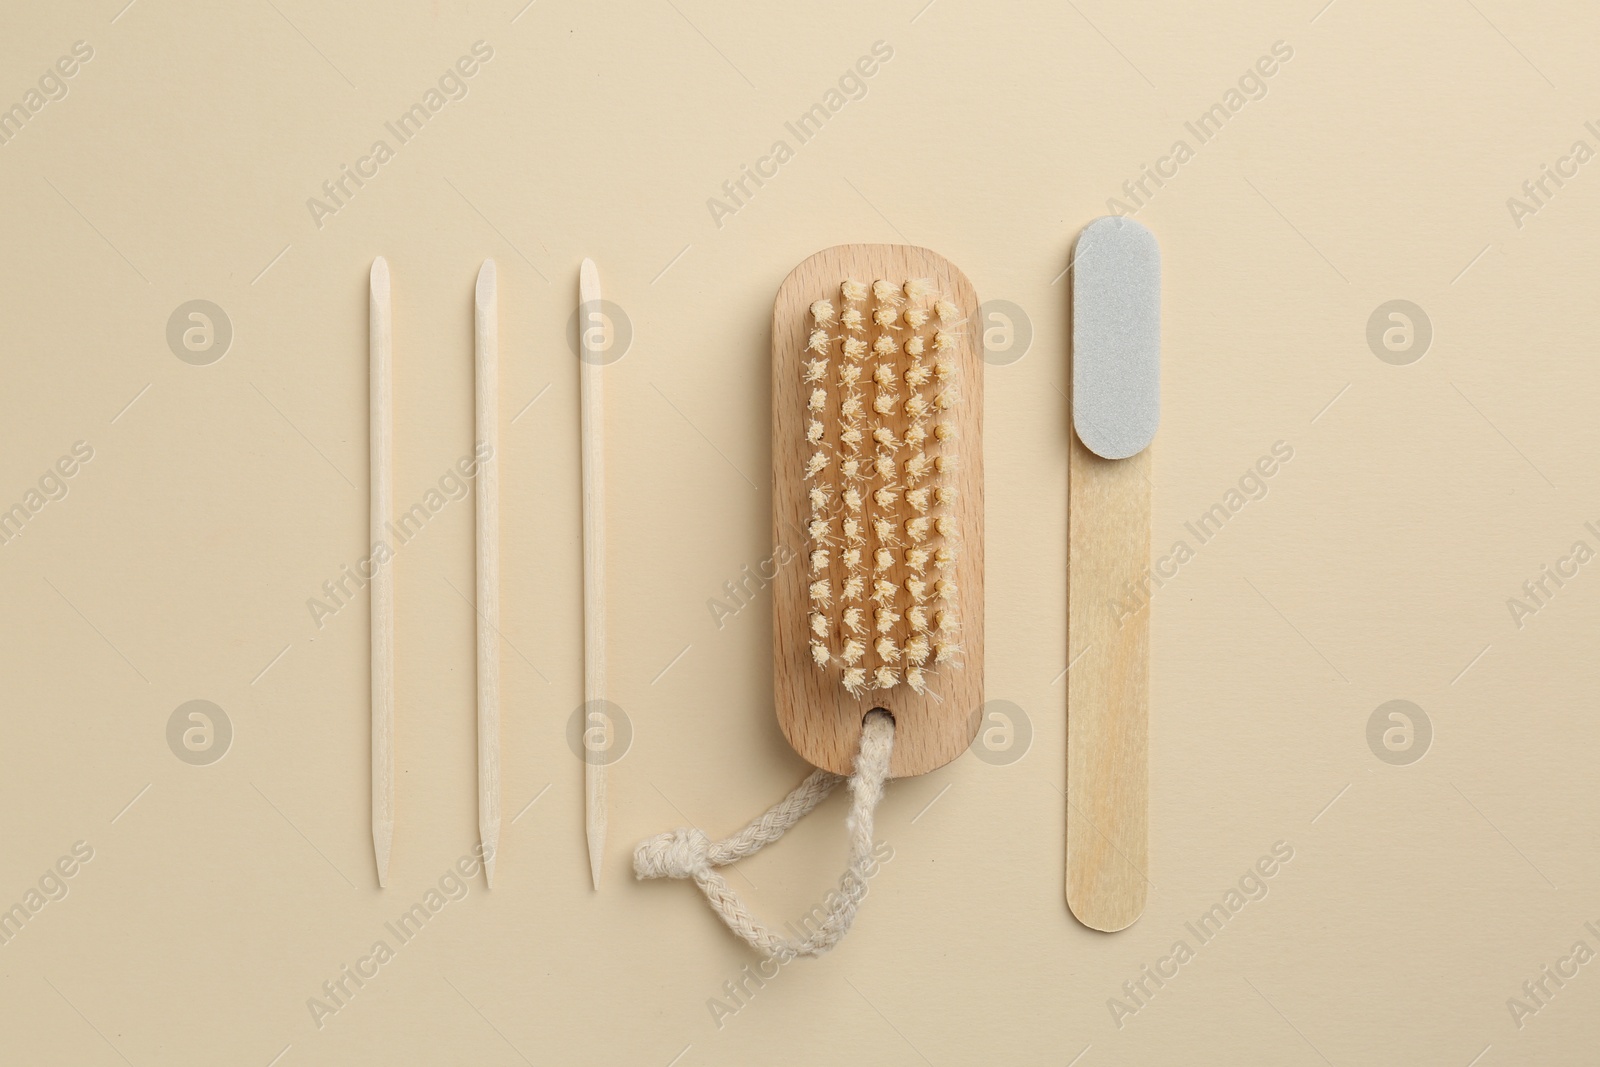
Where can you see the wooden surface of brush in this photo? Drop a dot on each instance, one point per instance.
(909, 637)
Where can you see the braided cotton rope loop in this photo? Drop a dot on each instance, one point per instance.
(688, 853)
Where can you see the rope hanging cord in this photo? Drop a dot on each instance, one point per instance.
(689, 853)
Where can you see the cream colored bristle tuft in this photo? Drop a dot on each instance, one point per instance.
(875, 607)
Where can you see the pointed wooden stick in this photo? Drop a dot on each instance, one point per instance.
(591, 404)
(380, 459)
(487, 316)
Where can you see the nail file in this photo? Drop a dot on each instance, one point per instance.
(1116, 406)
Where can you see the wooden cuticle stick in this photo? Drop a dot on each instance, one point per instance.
(487, 376)
(380, 461)
(592, 425)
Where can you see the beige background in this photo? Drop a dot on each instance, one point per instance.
(219, 498)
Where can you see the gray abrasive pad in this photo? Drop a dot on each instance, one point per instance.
(1116, 337)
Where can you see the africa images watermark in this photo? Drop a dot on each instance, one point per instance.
(740, 990)
(50, 87)
(52, 485)
(1140, 990)
(1538, 191)
(1541, 989)
(742, 591)
(52, 885)
(1538, 591)
(454, 484)
(453, 885)
(1153, 177)
(338, 191)
(736, 192)
(1252, 485)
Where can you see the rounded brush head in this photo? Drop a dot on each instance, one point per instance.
(877, 398)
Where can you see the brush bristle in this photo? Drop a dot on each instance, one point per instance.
(881, 553)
